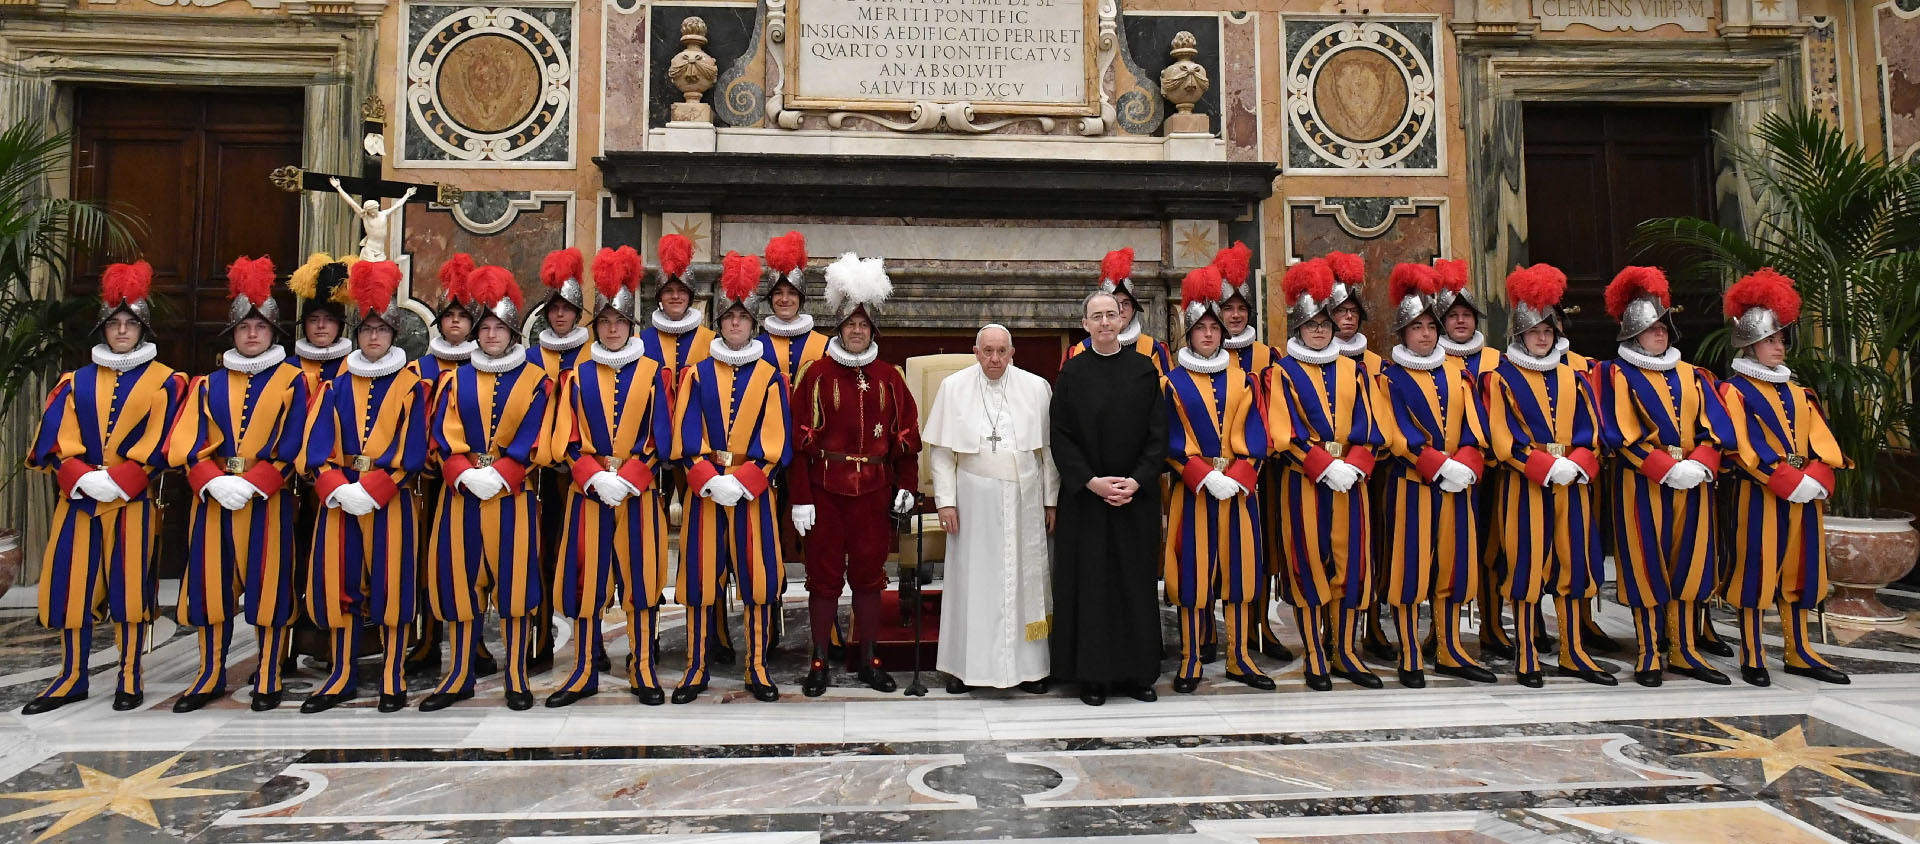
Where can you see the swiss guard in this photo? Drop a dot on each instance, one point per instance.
(1663, 423)
(790, 343)
(1349, 313)
(678, 336)
(1544, 426)
(490, 428)
(562, 345)
(367, 445)
(1116, 277)
(1434, 424)
(612, 427)
(1787, 457)
(856, 434)
(102, 436)
(321, 349)
(1327, 536)
(239, 438)
(730, 427)
(1217, 441)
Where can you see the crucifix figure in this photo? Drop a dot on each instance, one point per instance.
(373, 221)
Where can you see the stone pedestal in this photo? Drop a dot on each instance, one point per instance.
(686, 137)
(1194, 146)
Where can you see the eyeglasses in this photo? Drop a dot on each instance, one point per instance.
(1104, 316)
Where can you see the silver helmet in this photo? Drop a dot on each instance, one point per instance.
(250, 284)
(1455, 289)
(1533, 297)
(739, 286)
(1116, 275)
(1308, 290)
(1639, 297)
(1349, 272)
(560, 271)
(1762, 304)
(1200, 294)
(496, 293)
(371, 286)
(126, 287)
(1412, 289)
(454, 281)
(787, 257)
(616, 277)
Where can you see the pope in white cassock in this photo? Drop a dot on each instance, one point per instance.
(995, 484)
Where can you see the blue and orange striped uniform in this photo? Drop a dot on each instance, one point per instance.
(791, 355)
(1548, 538)
(553, 488)
(1214, 422)
(431, 368)
(317, 372)
(676, 352)
(97, 559)
(616, 420)
(1663, 538)
(1144, 344)
(371, 431)
(1779, 555)
(487, 552)
(1255, 359)
(729, 420)
(1432, 538)
(1486, 494)
(1327, 535)
(251, 426)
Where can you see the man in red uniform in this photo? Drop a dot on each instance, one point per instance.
(857, 442)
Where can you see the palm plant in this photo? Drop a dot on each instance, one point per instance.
(1844, 224)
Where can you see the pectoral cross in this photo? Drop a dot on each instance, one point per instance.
(995, 439)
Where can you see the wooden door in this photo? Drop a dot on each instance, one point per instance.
(1593, 173)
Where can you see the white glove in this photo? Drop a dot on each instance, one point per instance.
(484, 483)
(1687, 474)
(1218, 485)
(1339, 476)
(99, 486)
(230, 492)
(353, 500)
(724, 490)
(1454, 476)
(609, 487)
(1808, 490)
(903, 502)
(1564, 472)
(802, 518)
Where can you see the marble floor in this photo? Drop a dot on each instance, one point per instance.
(1455, 762)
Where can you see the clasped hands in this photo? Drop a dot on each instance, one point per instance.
(1116, 491)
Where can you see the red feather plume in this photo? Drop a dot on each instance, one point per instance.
(490, 284)
(1634, 282)
(635, 266)
(676, 254)
(123, 283)
(1117, 265)
(1202, 285)
(252, 278)
(560, 265)
(1347, 267)
(1409, 279)
(1313, 278)
(1453, 273)
(739, 275)
(1539, 287)
(609, 273)
(1235, 263)
(1763, 288)
(453, 277)
(371, 284)
(787, 253)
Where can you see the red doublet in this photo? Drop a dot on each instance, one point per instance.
(857, 438)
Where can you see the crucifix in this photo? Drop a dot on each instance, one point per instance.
(368, 186)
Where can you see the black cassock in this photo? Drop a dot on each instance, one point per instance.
(1107, 421)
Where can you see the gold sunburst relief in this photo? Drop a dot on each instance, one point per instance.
(1780, 755)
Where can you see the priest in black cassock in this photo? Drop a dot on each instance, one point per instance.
(1109, 443)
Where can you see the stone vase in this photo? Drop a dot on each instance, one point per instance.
(1864, 555)
(11, 555)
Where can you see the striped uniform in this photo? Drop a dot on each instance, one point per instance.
(731, 420)
(251, 426)
(1213, 548)
(1162, 359)
(1486, 494)
(96, 562)
(1779, 555)
(1255, 359)
(1326, 533)
(790, 358)
(319, 372)
(618, 420)
(431, 368)
(371, 431)
(1432, 539)
(552, 486)
(488, 551)
(676, 352)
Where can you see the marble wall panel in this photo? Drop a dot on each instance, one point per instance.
(730, 35)
(1148, 39)
(1823, 67)
(488, 90)
(623, 75)
(1239, 121)
(432, 235)
(944, 240)
(1362, 95)
(1897, 25)
(1383, 230)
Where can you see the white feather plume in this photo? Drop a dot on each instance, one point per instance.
(853, 280)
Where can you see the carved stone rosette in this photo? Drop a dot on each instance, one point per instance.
(694, 72)
(1183, 83)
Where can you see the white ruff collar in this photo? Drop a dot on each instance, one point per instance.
(1471, 347)
(1646, 361)
(781, 328)
(232, 359)
(682, 325)
(309, 351)
(846, 358)
(388, 364)
(105, 356)
(618, 360)
(565, 342)
(1131, 332)
(515, 356)
(1241, 340)
(444, 350)
(735, 357)
(1758, 372)
(1518, 354)
(1352, 346)
(1299, 351)
(1430, 361)
(1205, 366)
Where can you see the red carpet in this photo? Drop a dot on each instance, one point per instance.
(894, 644)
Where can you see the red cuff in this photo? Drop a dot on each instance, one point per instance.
(1707, 456)
(750, 476)
(698, 475)
(329, 481)
(1583, 457)
(1429, 462)
(514, 473)
(1785, 480)
(265, 478)
(1657, 464)
(1241, 472)
(379, 485)
(1821, 474)
(1360, 458)
(1539, 463)
(200, 473)
(71, 471)
(1317, 462)
(451, 468)
(1195, 472)
(638, 473)
(1472, 459)
(131, 477)
(584, 469)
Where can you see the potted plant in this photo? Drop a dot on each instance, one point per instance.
(1844, 224)
(40, 238)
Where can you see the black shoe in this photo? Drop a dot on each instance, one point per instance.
(1034, 687)
(1209, 653)
(1704, 675)
(1144, 694)
(1364, 679)
(767, 693)
(262, 701)
(322, 703)
(1823, 673)
(688, 694)
(1258, 681)
(648, 695)
(485, 666)
(1490, 649)
(1755, 676)
(1186, 685)
(602, 663)
(519, 701)
(568, 697)
(1274, 649)
(1470, 673)
(392, 703)
(1320, 682)
(1380, 649)
(441, 700)
(1093, 696)
(1717, 647)
(876, 679)
(1650, 679)
(955, 687)
(1415, 679)
(1531, 679)
(724, 655)
(190, 703)
(49, 703)
(816, 683)
(125, 701)
(1598, 678)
